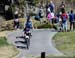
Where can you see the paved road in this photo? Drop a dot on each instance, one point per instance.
(41, 41)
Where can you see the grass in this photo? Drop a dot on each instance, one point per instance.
(3, 41)
(57, 57)
(7, 50)
(65, 42)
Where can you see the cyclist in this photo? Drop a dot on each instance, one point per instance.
(28, 26)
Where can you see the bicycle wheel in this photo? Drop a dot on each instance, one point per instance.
(28, 43)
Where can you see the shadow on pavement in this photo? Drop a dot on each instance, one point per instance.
(23, 42)
(21, 47)
(22, 37)
(54, 30)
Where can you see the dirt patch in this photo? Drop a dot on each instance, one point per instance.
(3, 34)
(8, 52)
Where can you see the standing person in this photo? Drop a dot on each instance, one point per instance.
(52, 17)
(62, 7)
(16, 23)
(49, 17)
(47, 8)
(60, 23)
(41, 14)
(16, 20)
(52, 6)
(64, 20)
(16, 14)
(72, 19)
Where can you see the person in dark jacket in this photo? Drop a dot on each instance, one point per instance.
(62, 7)
(72, 19)
(52, 6)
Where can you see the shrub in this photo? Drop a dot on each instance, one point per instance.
(47, 25)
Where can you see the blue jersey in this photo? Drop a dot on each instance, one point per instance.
(29, 24)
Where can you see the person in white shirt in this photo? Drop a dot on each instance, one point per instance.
(52, 17)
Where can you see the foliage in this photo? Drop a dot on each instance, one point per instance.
(45, 26)
(33, 2)
(70, 1)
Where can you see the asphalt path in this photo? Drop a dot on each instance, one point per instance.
(41, 41)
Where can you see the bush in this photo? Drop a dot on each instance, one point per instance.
(47, 25)
(6, 26)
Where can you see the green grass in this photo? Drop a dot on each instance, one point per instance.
(3, 41)
(57, 57)
(65, 42)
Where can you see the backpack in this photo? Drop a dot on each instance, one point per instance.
(64, 19)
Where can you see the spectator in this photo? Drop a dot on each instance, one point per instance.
(47, 8)
(16, 20)
(16, 23)
(60, 24)
(49, 17)
(64, 20)
(52, 17)
(62, 7)
(52, 6)
(16, 14)
(72, 19)
(41, 14)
